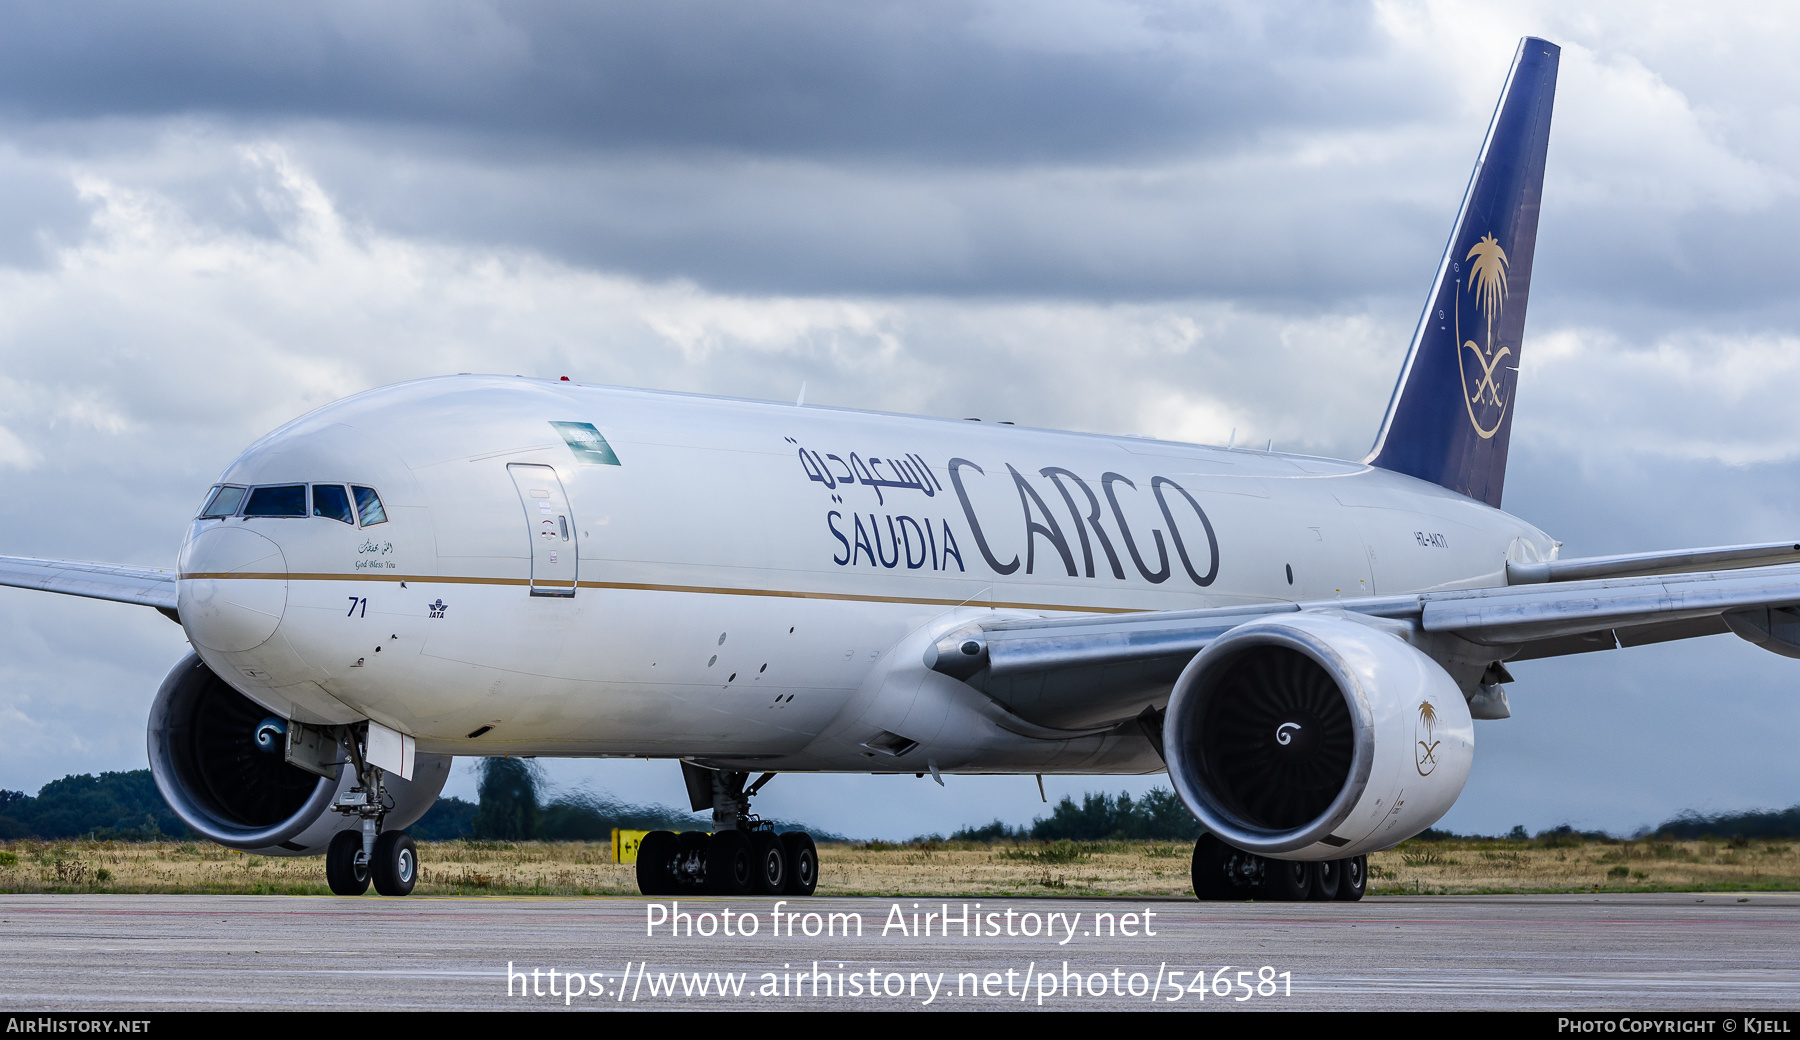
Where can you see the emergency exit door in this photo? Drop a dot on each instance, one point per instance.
(552, 528)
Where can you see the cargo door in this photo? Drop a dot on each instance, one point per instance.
(552, 529)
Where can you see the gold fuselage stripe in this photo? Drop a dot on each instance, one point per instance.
(426, 579)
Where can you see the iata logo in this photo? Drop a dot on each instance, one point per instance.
(1482, 368)
(1425, 745)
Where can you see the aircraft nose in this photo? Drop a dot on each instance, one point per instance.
(233, 588)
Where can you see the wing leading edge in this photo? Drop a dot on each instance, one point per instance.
(1083, 671)
(145, 586)
(1070, 673)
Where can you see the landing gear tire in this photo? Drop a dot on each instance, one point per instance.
(729, 870)
(802, 863)
(656, 854)
(1327, 878)
(769, 866)
(342, 872)
(1210, 858)
(1287, 881)
(1353, 878)
(396, 865)
(688, 872)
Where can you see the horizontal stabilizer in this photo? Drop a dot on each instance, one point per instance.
(1724, 557)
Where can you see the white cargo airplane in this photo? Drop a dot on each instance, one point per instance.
(479, 565)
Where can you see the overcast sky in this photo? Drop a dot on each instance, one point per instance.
(1169, 219)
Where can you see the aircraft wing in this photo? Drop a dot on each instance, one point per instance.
(146, 586)
(1083, 671)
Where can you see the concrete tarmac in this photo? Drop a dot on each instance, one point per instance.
(1652, 952)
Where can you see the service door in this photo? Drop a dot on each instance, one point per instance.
(552, 526)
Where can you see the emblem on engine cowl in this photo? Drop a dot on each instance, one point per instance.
(1424, 744)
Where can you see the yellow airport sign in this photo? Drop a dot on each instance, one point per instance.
(625, 845)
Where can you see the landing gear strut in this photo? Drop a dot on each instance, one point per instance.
(742, 856)
(1222, 872)
(354, 858)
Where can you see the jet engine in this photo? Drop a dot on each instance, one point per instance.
(219, 759)
(1314, 736)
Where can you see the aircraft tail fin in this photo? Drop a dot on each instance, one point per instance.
(1450, 418)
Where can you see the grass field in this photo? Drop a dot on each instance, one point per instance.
(1144, 868)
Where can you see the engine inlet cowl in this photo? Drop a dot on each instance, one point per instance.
(219, 760)
(212, 770)
(1316, 736)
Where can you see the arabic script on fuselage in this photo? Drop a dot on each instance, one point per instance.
(887, 538)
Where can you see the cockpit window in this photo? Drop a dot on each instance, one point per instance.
(330, 501)
(224, 502)
(281, 500)
(368, 506)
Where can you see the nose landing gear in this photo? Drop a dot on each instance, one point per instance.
(743, 855)
(355, 858)
(346, 868)
(396, 864)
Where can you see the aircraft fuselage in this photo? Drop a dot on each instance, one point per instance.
(586, 571)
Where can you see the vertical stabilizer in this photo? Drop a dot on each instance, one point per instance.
(1450, 419)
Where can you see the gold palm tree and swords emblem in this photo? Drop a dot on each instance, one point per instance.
(1487, 280)
(1425, 750)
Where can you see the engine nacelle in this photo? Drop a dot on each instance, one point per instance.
(219, 765)
(1313, 736)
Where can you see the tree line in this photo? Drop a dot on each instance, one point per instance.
(1159, 815)
(511, 806)
(111, 806)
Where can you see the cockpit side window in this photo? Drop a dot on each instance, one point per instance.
(224, 501)
(330, 501)
(280, 500)
(368, 506)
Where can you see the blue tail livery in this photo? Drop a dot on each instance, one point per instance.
(1450, 418)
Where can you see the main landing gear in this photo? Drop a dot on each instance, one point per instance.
(1222, 872)
(743, 856)
(356, 857)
